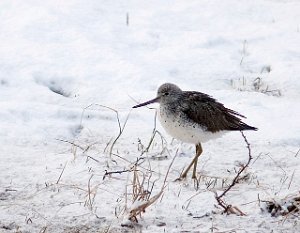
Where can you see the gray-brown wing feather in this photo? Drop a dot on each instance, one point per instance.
(209, 113)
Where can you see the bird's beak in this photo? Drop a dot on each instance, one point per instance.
(155, 100)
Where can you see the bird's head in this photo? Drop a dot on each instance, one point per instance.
(166, 93)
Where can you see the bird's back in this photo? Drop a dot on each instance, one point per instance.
(210, 114)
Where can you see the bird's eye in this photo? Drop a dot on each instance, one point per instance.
(167, 93)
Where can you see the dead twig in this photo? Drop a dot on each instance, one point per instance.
(142, 198)
(133, 168)
(121, 128)
(154, 133)
(297, 153)
(72, 143)
(107, 173)
(43, 230)
(89, 193)
(61, 173)
(112, 142)
(229, 209)
(292, 177)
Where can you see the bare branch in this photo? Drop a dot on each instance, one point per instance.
(133, 168)
(61, 173)
(142, 198)
(89, 193)
(72, 143)
(107, 173)
(121, 128)
(169, 169)
(229, 209)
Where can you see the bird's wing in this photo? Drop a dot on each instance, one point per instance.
(212, 115)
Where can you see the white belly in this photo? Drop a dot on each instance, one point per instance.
(183, 130)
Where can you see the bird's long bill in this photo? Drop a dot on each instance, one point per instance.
(155, 100)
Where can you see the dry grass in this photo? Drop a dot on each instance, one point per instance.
(288, 206)
(142, 194)
(255, 84)
(142, 191)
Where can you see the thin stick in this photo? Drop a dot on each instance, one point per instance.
(229, 208)
(89, 192)
(121, 128)
(297, 153)
(169, 169)
(240, 171)
(139, 194)
(72, 143)
(115, 172)
(292, 177)
(61, 173)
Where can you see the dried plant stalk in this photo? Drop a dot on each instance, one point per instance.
(229, 209)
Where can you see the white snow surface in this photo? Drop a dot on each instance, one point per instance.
(62, 61)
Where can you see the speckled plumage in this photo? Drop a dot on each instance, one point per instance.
(194, 117)
(179, 126)
(198, 109)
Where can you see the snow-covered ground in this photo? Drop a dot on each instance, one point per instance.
(61, 62)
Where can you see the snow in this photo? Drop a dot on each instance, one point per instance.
(62, 61)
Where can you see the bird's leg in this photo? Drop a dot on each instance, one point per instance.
(198, 153)
(194, 161)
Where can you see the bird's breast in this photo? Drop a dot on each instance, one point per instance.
(180, 127)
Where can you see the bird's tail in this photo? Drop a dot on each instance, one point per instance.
(243, 126)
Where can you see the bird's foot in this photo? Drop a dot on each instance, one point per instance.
(181, 178)
(184, 174)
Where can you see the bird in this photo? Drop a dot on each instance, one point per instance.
(194, 117)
